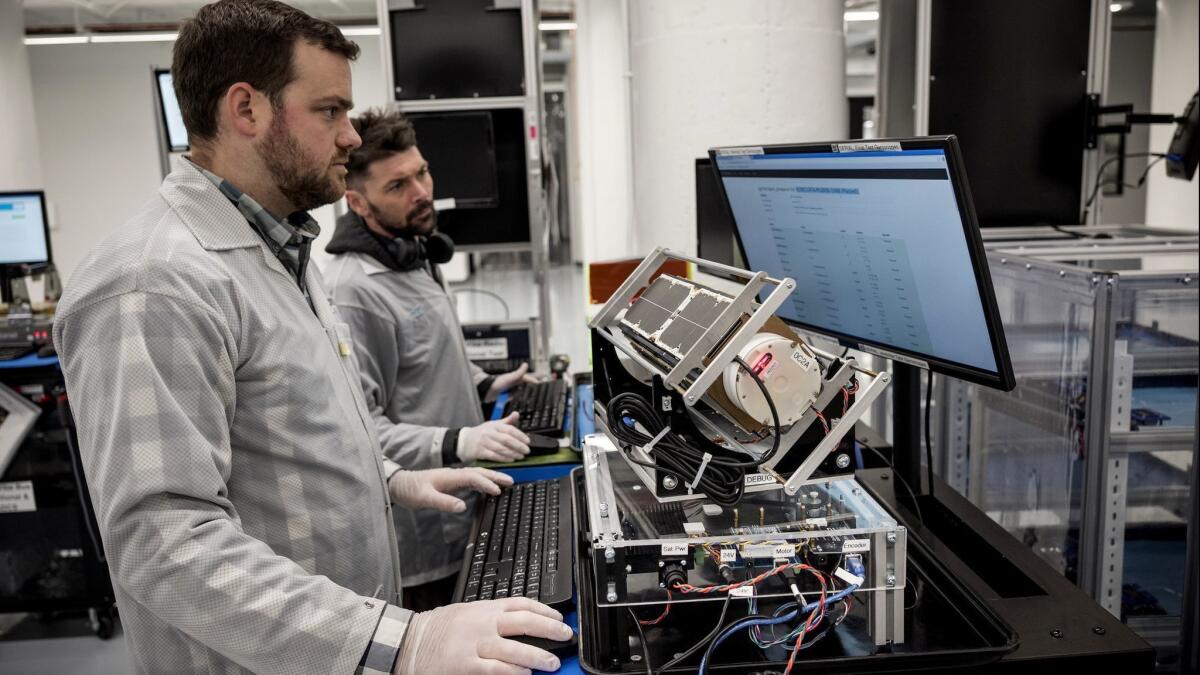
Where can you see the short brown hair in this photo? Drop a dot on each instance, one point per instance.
(384, 133)
(249, 41)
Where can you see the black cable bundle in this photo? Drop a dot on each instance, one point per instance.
(723, 479)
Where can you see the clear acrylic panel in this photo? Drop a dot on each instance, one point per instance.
(819, 526)
(1026, 446)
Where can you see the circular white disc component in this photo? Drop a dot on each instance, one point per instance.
(791, 376)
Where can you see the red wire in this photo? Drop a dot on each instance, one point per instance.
(665, 612)
(824, 422)
(688, 588)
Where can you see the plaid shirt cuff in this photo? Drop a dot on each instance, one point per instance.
(380, 656)
(389, 468)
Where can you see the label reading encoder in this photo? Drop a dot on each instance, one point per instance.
(856, 546)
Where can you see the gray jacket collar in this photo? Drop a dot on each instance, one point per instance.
(212, 218)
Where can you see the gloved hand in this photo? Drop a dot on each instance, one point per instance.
(432, 488)
(497, 441)
(509, 380)
(469, 638)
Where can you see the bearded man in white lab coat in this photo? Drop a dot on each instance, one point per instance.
(238, 481)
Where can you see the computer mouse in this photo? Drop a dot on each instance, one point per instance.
(560, 649)
(47, 350)
(543, 445)
(559, 364)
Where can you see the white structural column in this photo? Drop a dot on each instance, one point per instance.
(714, 72)
(604, 227)
(20, 163)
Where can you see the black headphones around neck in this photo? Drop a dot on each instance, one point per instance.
(412, 253)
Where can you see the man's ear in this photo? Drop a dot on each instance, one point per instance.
(246, 110)
(356, 202)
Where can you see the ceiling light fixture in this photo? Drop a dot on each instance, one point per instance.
(869, 15)
(114, 38)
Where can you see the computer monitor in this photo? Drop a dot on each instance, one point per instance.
(461, 150)
(715, 238)
(480, 159)
(882, 240)
(24, 232)
(168, 107)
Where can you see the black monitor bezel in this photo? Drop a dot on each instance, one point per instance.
(162, 112)
(1002, 378)
(41, 195)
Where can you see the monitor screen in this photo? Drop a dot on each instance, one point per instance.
(460, 149)
(882, 241)
(24, 236)
(172, 118)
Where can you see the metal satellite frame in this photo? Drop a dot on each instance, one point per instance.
(695, 361)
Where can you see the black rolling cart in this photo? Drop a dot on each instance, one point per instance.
(51, 558)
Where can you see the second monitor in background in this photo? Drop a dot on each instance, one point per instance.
(478, 159)
(170, 117)
(461, 150)
(716, 239)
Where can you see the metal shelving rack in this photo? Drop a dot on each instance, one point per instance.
(530, 103)
(1092, 325)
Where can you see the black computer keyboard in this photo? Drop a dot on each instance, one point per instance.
(520, 545)
(10, 353)
(543, 407)
(500, 366)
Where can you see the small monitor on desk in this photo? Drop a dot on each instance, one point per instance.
(24, 231)
(882, 240)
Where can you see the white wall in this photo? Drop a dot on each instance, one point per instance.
(1171, 202)
(1130, 63)
(20, 162)
(96, 117)
(712, 72)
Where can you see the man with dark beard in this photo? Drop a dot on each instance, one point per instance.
(422, 391)
(238, 482)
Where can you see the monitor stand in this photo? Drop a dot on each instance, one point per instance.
(6, 279)
(906, 423)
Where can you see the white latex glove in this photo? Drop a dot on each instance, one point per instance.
(469, 638)
(497, 441)
(432, 488)
(509, 380)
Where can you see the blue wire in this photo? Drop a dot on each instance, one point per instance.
(748, 623)
(737, 626)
